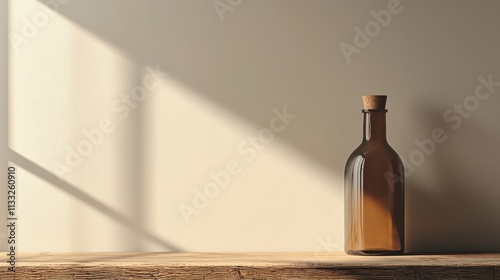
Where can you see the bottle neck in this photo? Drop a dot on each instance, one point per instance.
(374, 125)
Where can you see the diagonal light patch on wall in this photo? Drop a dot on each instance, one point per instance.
(143, 156)
(68, 188)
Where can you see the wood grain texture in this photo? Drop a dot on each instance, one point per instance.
(250, 266)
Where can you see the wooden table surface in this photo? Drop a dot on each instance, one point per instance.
(250, 266)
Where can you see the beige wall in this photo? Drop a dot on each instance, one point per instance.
(121, 112)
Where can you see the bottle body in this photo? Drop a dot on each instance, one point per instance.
(374, 193)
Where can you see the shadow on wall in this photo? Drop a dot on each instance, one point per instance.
(242, 70)
(455, 213)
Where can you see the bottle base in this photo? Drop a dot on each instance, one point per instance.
(375, 252)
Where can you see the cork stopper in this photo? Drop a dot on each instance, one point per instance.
(374, 102)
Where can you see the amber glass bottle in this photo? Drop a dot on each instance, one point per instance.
(374, 189)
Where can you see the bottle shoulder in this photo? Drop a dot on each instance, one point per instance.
(370, 150)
